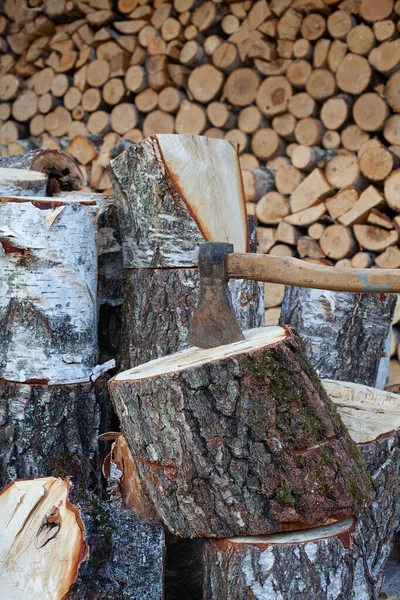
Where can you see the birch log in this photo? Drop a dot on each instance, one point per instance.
(21, 182)
(344, 334)
(345, 559)
(60, 167)
(174, 192)
(246, 441)
(48, 282)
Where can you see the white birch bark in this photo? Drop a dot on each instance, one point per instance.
(21, 182)
(48, 284)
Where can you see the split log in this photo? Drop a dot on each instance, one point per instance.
(335, 325)
(38, 514)
(312, 190)
(375, 238)
(346, 558)
(49, 281)
(268, 366)
(173, 162)
(61, 169)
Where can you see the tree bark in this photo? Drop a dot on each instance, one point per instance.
(206, 462)
(18, 182)
(126, 555)
(169, 199)
(343, 560)
(344, 334)
(52, 430)
(159, 305)
(48, 290)
(61, 169)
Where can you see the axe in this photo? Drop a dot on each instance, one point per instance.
(214, 322)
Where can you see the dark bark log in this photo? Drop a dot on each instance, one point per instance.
(62, 170)
(344, 560)
(170, 191)
(52, 430)
(344, 334)
(246, 443)
(126, 555)
(159, 305)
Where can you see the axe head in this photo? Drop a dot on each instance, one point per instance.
(214, 322)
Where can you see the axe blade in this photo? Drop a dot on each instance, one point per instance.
(214, 321)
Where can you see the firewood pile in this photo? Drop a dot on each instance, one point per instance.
(308, 89)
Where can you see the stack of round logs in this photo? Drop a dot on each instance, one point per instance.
(271, 75)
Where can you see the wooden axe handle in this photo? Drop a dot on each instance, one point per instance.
(292, 271)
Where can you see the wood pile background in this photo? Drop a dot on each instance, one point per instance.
(309, 89)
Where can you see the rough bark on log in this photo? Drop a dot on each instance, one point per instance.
(159, 305)
(167, 187)
(342, 560)
(48, 289)
(219, 405)
(344, 334)
(52, 430)
(61, 169)
(126, 555)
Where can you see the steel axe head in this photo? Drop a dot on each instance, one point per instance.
(214, 321)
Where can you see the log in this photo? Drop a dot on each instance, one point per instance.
(351, 553)
(150, 242)
(375, 238)
(21, 182)
(391, 188)
(53, 430)
(53, 293)
(358, 213)
(282, 501)
(312, 190)
(159, 305)
(354, 74)
(321, 317)
(37, 513)
(257, 183)
(343, 171)
(61, 169)
(272, 208)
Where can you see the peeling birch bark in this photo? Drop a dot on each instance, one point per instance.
(173, 193)
(344, 334)
(246, 442)
(62, 170)
(42, 545)
(48, 283)
(20, 182)
(344, 560)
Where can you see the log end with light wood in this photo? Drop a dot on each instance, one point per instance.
(61, 169)
(193, 174)
(45, 545)
(291, 432)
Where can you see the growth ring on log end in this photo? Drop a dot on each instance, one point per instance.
(238, 440)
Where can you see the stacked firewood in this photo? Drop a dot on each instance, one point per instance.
(309, 89)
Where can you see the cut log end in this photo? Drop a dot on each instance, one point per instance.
(39, 516)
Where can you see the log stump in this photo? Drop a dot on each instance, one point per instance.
(345, 559)
(246, 443)
(334, 326)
